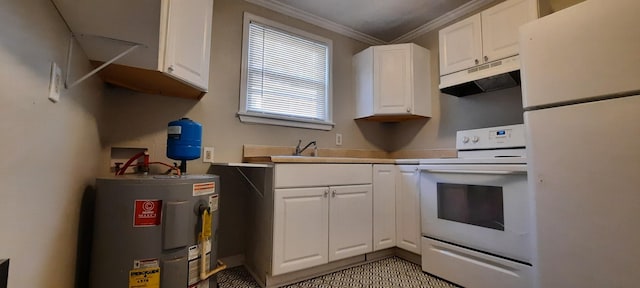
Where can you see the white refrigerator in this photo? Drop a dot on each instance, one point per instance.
(581, 94)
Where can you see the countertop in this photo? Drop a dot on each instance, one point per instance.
(309, 159)
(283, 154)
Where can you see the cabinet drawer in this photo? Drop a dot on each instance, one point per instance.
(480, 270)
(308, 175)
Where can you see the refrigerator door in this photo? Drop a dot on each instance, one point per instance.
(582, 52)
(584, 172)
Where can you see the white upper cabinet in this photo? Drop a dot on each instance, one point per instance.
(460, 45)
(392, 82)
(392, 79)
(500, 25)
(188, 41)
(174, 38)
(485, 37)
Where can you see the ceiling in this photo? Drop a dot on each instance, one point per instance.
(375, 21)
(386, 21)
(382, 19)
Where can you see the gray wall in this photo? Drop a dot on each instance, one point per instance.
(48, 150)
(217, 109)
(557, 5)
(453, 113)
(147, 115)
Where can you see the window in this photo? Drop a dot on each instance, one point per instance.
(286, 78)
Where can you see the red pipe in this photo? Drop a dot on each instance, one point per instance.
(165, 164)
(126, 165)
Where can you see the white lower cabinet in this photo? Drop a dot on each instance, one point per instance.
(350, 218)
(408, 208)
(328, 222)
(384, 206)
(313, 226)
(300, 228)
(396, 207)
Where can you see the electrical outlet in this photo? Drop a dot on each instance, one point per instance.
(338, 139)
(207, 155)
(55, 83)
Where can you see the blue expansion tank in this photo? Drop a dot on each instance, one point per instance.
(184, 139)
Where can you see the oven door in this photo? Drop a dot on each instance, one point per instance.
(481, 207)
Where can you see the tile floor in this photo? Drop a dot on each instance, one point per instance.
(389, 272)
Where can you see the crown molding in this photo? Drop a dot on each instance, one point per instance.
(454, 14)
(318, 21)
(444, 19)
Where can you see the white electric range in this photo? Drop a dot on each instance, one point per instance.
(476, 211)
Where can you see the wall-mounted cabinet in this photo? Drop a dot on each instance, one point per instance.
(480, 54)
(174, 38)
(484, 37)
(392, 83)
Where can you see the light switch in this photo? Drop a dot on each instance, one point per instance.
(55, 83)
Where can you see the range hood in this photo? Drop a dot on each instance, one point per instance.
(492, 76)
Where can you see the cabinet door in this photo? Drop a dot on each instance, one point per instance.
(500, 25)
(300, 229)
(392, 79)
(384, 206)
(408, 208)
(350, 221)
(460, 45)
(188, 41)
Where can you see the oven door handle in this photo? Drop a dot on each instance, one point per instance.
(475, 172)
(476, 169)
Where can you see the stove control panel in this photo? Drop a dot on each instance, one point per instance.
(511, 136)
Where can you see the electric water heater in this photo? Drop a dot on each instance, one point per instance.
(153, 231)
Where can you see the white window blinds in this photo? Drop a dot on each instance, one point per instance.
(287, 74)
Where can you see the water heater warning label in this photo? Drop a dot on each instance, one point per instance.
(144, 278)
(147, 213)
(206, 188)
(194, 264)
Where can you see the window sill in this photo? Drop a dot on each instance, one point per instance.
(283, 121)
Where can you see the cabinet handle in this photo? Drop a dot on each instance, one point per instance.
(486, 58)
(408, 110)
(477, 62)
(333, 193)
(326, 193)
(170, 68)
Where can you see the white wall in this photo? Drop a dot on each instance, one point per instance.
(48, 152)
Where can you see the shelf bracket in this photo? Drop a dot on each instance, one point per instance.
(251, 183)
(134, 46)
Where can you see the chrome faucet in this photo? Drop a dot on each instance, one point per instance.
(299, 151)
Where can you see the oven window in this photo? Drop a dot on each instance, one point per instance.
(471, 204)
